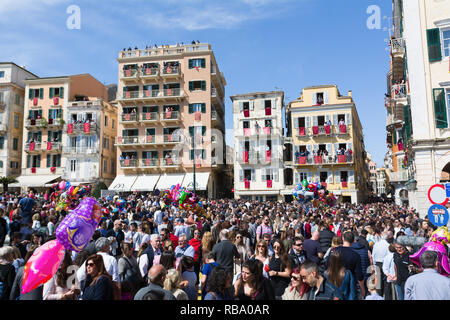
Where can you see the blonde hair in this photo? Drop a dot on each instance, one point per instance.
(336, 241)
(172, 280)
(35, 217)
(207, 241)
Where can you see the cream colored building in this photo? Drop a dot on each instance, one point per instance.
(322, 124)
(258, 145)
(171, 113)
(12, 92)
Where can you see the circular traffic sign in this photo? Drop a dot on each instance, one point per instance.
(438, 215)
(437, 195)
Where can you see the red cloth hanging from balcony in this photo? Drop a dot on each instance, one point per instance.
(342, 158)
(301, 131)
(148, 71)
(246, 113)
(119, 140)
(169, 92)
(315, 130)
(342, 128)
(128, 95)
(147, 162)
(266, 130)
(50, 121)
(268, 155)
(269, 183)
(198, 163)
(49, 145)
(302, 160)
(56, 101)
(53, 169)
(33, 170)
(247, 184)
(169, 70)
(149, 139)
(87, 127)
(128, 72)
(148, 116)
(198, 116)
(344, 184)
(32, 145)
(169, 161)
(33, 122)
(126, 162)
(400, 146)
(70, 128)
(169, 138)
(324, 184)
(245, 156)
(168, 114)
(268, 111)
(127, 117)
(327, 129)
(247, 132)
(35, 101)
(318, 159)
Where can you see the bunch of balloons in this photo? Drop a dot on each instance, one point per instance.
(64, 193)
(73, 233)
(316, 192)
(184, 199)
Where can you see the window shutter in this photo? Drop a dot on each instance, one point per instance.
(203, 107)
(314, 99)
(252, 105)
(203, 154)
(263, 174)
(203, 130)
(61, 92)
(440, 113)
(351, 177)
(336, 148)
(316, 147)
(335, 119)
(253, 175)
(296, 177)
(30, 93)
(275, 174)
(203, 62)
(52, 92)
(241, 106)
(241, 175)
(327, 117)
(191, 131)
(191, 107)
(308, 121)
(28, 161)
(40, 136)
(308, 147)
(296, 123)
(348, 118)
(191, 63)
(329, 148)
(191, 86)
(329, 176)
(38, 161)
(350, 146)
(325, 97)
(41, 93)
(203, 85)
(309, 177)
(273, 103)
(48, 161)
(315, 121)
(337, 177)
(434, 45)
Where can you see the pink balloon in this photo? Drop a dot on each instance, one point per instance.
(42, 265)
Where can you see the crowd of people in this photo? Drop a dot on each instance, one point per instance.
(236, 250)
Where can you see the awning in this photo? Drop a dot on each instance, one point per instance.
(256, 192)
(34, 181)
(168, 180)
(145, 182)
(122, 183)
(201, 180)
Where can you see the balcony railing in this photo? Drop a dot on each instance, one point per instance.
(149, 139)
(80, 150)
(3, 127)
(170, 71)
(131, 140)
(398, 46)
(128, 163)
(399, 91)
(398, 176)
(129, 117)
(170, 116)
(149, 162)
(321, 130)
(175, 92)
(164, 51)
(33, 146)
(53, 146)
(56, 122)
(319, 160)
(151, 93)
(172, 138)
(131, 73)
(247, 157)
(38, 123)
(149, 116)
(169, 162)
(131, 95)
(148, 72)
(86, 128)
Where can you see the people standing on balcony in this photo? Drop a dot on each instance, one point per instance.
(341, 122)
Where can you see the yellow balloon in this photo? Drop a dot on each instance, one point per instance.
(75, 191)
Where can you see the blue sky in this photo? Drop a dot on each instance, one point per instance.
(260, 45)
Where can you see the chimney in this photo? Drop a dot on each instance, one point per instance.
(349, 93)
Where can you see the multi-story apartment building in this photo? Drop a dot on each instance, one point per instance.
(258, 142)
(52, 136)
(171, 114)
(12, 92)
(327, 143)
(418, 100)
(381, 181)
(372, 167)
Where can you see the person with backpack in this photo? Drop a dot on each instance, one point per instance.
(7, 271)
(264, 228)
(129, 274)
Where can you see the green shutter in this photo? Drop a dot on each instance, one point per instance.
(51, 92)
(61, 92)
(203, 130)
(39, 136)
(58, 160)
(30, 93)
(203, 154)
(203, 107)
(41, 93)
(60, 136)
(434, 45)
(191, 131)
(28, 161)
(440, 114)
(40, 113)
(2, 141)
(203, 62)
(191, 63)
(191, 108)
(38, 161)
(48, 161)
(203, 85)
(191, 86)
(191, 156)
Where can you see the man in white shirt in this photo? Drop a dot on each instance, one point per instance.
(155, 242)
(379, 252)
(102, 245)
(181, 228)
(184, 248)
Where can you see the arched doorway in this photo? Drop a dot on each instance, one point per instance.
(445, 173)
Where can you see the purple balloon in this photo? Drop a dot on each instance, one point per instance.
(440, 249)
(77, 228)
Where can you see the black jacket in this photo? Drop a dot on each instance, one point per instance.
(325, 238)
(224, 252)
(120, 237)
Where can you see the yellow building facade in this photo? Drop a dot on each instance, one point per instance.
(327, 143)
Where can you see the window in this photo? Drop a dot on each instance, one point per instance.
(448, 103)
(17, 99)
(113, 123)
(2, 142)
(106, 121)
(446, 42)
(105, 165)
(15, 144)
(2, 74)
(197, 85)
(197, 63)
(14, 165)
(36, 93)
(434, 45)
(73, 165)
(197, 107)
(16, 121)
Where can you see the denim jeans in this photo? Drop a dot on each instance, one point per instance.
(399, 291)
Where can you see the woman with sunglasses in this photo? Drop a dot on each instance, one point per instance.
(298, 289)
(98, 285)
(252, 285)
(262, 255)
(279, 268)
(242, 250)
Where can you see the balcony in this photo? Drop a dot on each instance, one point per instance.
(216, 99)
(217, 78)
(55, 123)
(149, 140)
(246, 157)
(398, 55)
(217, 120)
(149, 74)
(128, 141)
(342, 130)
(33, 147)
(170, 116)
(130, 75)
(175, 92)
(398, 46)
(31, 124)
(321, 130)
(129, 95)
(149, 163)
(392, 120)
(85, 128)
(129, 118)
(2, 105)
(128, 164)
(148, 117)
(399, 93)
(170, 162)
(399, 176)
(163, 51)
(53, 146)
(80, 150)
(3, 128)
(322, 160)
(171, 139)
(171, 72)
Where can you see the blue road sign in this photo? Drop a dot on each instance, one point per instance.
(438, 215)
